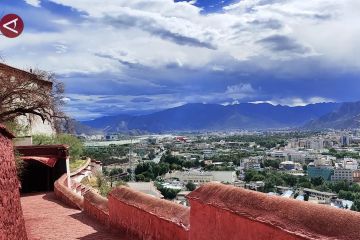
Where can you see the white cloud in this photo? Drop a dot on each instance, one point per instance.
(239, 91)
(292, 102)
(35, 3)
(118, 37)
(159, 33)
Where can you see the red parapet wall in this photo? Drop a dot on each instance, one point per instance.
(147, 217)
(12, 224)
(96, 207)
(66, 195)
(223, 212)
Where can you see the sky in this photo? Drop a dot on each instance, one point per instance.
(141, 56)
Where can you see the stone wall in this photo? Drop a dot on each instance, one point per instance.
(12, 225)
(146, 217)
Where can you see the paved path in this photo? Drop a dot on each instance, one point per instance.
(46, 218)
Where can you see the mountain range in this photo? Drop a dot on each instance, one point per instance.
(347, 116)
(212, 117)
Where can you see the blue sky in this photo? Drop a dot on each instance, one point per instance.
(140, 56)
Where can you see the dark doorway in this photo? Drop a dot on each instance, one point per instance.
(38, 177)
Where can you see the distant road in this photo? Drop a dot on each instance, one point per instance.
(107, 143)
(124, 142)
(158, 157)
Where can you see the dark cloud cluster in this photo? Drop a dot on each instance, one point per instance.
(153, 27)
(279, 43)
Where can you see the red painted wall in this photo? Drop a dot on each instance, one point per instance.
(208, 222)
(96, 207)
(66, 195)
(12, 225)
(146, 217)
(224, 212)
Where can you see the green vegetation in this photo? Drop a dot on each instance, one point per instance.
(190, 186)
(224, 167)
(274, 178)
(150, 171)
(343, 154)
(100, 183)
(76, 164)
(272, 163)
(17, 129)
(168, 193)
(177, 162)
(76, 146)
(109, 154)
(20, 164)
(345, 190)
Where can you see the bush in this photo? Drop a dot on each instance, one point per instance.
(190, 186)
(76, 147)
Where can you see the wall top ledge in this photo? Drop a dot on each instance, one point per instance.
(164, 209)
(307, 220)
(96, 199)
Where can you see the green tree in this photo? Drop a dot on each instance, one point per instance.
(272, 163)
(317, 181)
(356, 205)
(76, 147)
(169, 193)
(190, 186)
(306, 197)
(140, 178)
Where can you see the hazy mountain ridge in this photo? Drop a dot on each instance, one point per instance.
(345, 117)
(200, 117)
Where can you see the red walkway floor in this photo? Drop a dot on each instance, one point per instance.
(46, 218)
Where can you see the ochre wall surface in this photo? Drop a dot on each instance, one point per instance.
(12, 225)
(147, 217)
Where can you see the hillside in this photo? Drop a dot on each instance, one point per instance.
(345, 117)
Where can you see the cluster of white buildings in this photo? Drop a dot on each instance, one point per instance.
(201, 177)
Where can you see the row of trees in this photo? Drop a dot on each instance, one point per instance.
(150, 171)
(76, 146)
(178, 162)
(274, 178)
(343, 154)
(109, 154)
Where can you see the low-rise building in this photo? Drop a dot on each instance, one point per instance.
(356, 175)
(320, 171)
(342, 174)
(199, 177)
(252, 165)
(323, 197)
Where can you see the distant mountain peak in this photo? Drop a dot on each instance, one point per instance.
(345, 117)
(209, 117)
